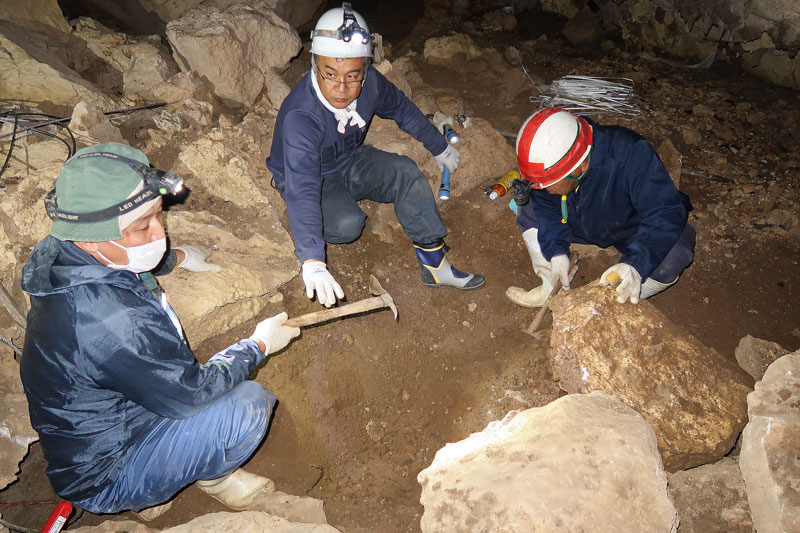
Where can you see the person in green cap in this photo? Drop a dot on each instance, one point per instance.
(126, 415)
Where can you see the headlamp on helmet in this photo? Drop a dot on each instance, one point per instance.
(341, 32)
(156, 183)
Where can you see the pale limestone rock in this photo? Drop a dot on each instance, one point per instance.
(145, 71)
(229, 164)
(115, 526)
(581, 463)
(177, 88)
(233, 48)
(397, 78)
(711, 498)
(289, 507)
(755, 355)
(771, 446)
(247, 521)
(16, 433)
(442, 49)
(293, 12)
(277, 89)
(694, 398)
(91, 126)
(43, 11)
(33, 68)
(213, 302)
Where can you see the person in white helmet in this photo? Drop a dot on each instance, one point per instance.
(322, 169)
(601, 185)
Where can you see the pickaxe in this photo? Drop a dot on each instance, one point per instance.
(381, 299)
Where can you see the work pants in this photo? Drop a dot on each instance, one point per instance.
(175, 453)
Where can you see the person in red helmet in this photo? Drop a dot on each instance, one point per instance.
(600, 185)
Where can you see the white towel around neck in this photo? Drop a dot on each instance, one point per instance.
(342, 115)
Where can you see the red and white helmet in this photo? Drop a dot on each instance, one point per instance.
(551, 144)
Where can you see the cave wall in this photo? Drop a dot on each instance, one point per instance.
(763, 36)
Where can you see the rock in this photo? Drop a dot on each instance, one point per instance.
(42, 11)
(16, 433)
(233, 48)
(582, 29)
(485, 154)
(771, 446)
(694, 398)
(34, 68)
(91, 126)
(580, 463)
(755, 355)
(443, 49)
(711, 498)
(292, 508)
(146, 70)
(115, 526)
(672, 160)
(245, 521)
(295, 13)
(214, 302)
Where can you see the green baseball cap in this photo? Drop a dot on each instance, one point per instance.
(93, 183)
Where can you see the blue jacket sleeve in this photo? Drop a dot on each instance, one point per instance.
(554, 237)
(393, 104)
(303, 195)
(135, 351)
(658, 204)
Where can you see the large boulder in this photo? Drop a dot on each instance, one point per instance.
(771, 447)
(711, 498)
(695, 399)
(42, 11)
(581, 463)
(16, 433)
(293, 12)
(234, 48)
(37, 67)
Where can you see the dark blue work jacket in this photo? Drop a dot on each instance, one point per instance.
(626, 200)
(102, 363)
(306, 145)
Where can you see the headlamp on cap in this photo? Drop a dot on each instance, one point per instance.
(156, 183)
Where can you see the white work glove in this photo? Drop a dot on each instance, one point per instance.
(317, 278)
(630, 285)
(559, 270)
(449, 158)
(195, 259)
(274, 334)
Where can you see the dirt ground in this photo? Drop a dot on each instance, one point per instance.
(366, 402)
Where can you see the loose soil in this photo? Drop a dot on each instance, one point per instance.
(365, 402)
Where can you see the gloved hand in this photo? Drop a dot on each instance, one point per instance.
(449, 158)
(630, 285)
(195, 259)
(317, 278)
(274, 334)
(559, 270)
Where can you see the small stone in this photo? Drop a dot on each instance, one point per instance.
(472, 307)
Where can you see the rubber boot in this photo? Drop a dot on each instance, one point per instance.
(237, 489)
(651, 287)
(537, 296)
(438, 272)
(151, 513)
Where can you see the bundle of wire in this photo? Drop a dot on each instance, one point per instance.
(587, 95)
(51, 126)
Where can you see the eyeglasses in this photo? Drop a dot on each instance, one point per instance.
(332, 81)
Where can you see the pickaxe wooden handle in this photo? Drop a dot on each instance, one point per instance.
(376, 302)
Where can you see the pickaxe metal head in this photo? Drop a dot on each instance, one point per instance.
(376, 289)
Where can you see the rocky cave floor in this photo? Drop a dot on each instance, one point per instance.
(365, 402)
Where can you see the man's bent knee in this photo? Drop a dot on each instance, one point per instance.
(345, 229)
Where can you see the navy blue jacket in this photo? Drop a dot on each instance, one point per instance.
(306, 145)
(626, 200)
(102, 363)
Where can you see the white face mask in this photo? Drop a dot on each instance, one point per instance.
(140, 258)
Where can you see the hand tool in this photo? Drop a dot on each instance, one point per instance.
(381, 299)
(540, 315)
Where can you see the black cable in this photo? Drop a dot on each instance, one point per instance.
(11, 146)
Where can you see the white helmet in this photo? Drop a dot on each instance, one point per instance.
(341, 32)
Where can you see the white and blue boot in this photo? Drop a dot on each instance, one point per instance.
(438, 272)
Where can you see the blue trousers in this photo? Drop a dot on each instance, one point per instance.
(383, 177)
(176, 453)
